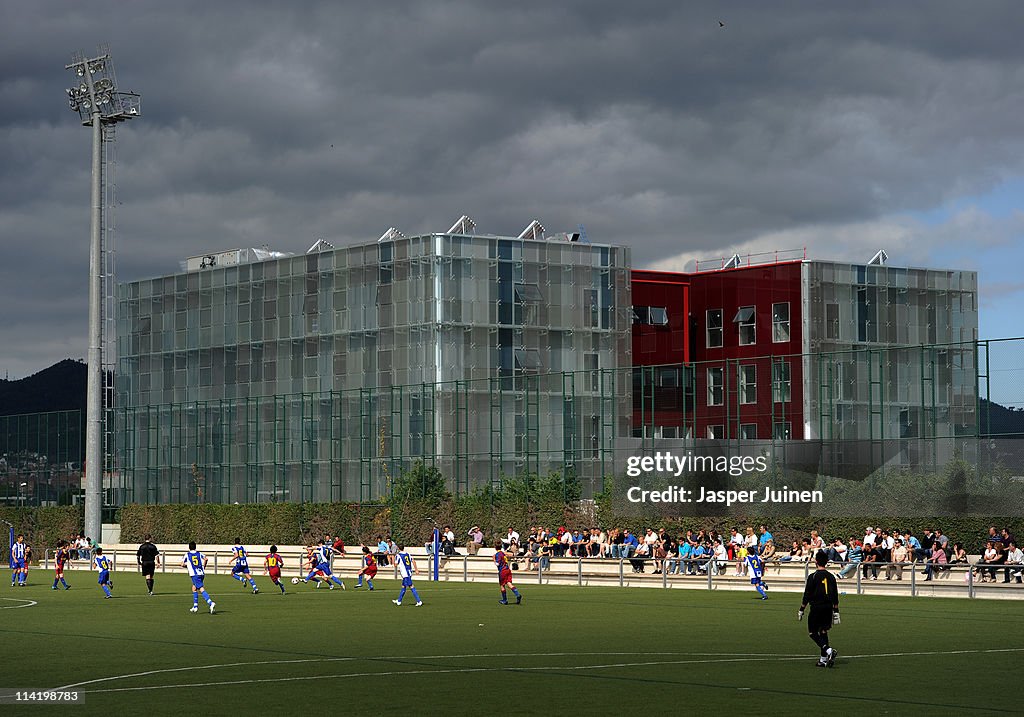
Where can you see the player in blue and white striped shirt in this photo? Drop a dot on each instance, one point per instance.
(755, 566)
(102, 563)
(240, 571)
(406, 568)
(19, 568)
(322, 557)
(195, 562)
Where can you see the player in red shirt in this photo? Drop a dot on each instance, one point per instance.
(369, 569)
(272, 565)
(60, 557)
(501, 560)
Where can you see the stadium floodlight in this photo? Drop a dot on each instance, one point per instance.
(99, 104)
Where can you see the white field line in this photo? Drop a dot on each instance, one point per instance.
(728, 658)
(29, 603)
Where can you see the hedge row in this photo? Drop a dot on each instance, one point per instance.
(411, 521)
(42, 527)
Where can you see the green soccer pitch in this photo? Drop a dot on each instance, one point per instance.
(565, 650)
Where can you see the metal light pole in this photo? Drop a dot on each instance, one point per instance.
(99, 105)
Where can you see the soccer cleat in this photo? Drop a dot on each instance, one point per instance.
(106, 597)
(830, 659)
(212, 605)
(397, 602)
(255, 591)
(151, 593)
(822, 662)
(503, 602)
(330, 587)
(342, 585)
(356, 587)
(519, 599)
(67, 587)
(418, 603)
(764, 597)
(194, 608)
(53, 587)
(371, 589)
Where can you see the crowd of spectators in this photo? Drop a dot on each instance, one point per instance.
(885, 553)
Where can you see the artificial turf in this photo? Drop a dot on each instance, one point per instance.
(565, 650)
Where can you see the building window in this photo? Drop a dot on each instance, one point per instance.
(714, 328)
(745, 319)
(668, 376)
(748, 384)
(780, 322)
(714, 387)
(780, 431)
(528, 359)
(748, 431)
(781, 384)
(650, 315)
(528, 293)
(590, 365)
(716, 433)
(832, 322)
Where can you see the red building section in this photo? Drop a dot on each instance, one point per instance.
(716, 354)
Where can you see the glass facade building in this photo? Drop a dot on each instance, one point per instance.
(319, 376)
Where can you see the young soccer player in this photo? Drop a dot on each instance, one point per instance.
(240, 571)
(103, 564)
(822, 595)
(19, 562)
(322, 558)
(504, 574)
(60, 557)
(148, 557)
(406, 568)
(369, 569)
(755, 568)
(195, 562)
(272, 565)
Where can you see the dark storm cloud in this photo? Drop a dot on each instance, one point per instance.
(646, 122)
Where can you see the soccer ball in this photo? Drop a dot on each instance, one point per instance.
(295, 581)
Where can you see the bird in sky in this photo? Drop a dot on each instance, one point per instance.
(721, 24)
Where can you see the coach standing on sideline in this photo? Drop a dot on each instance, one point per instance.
(822, 594)
(149, 558)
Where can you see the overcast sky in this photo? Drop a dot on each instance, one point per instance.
(842, 127)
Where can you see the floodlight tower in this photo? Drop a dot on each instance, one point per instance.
(100, 105)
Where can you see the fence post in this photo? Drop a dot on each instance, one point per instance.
(913, 581)
(579, 571)
(664, 573)
(710, 563)
(215, 563)
(622, 580)
(970, 581)
(465, 568)
(46, 559)
(163, 562)
(858, 581)
(540, 570)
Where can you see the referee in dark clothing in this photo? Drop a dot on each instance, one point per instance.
(822, 594)
(149, 558)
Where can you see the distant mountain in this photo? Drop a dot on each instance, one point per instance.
(60, 387)
(995, 420)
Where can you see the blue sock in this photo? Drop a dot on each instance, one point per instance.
(24, 577)
(55, 582)
(281, 585)
(369, 583)
(760, 589)
(63, 582)
(207, 598)
(106, 590)
(195, 599)
(335, 579)
(515, 592)
(359, 581)
(401, 594)
(14, 576)
(310, 576)
(504, 596)
(239, 577)
(252, 582)
(415, 594)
